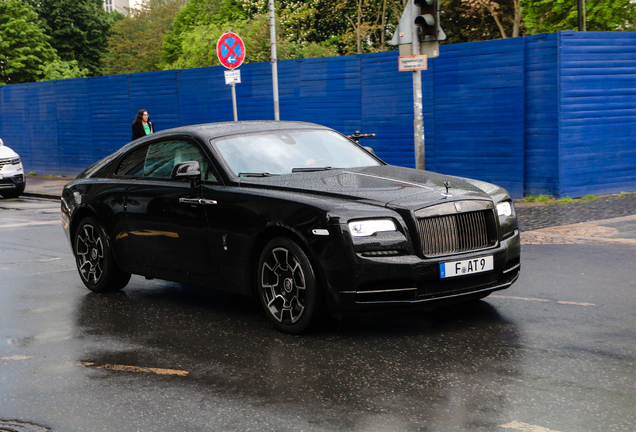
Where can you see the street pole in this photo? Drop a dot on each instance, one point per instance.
(581, 12)
(418, 121)
(272, 34)
(234, 101)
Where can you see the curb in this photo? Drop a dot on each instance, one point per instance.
(41, 195)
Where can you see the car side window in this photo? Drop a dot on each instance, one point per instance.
(162, 157)
(133, 163)
(158, 159)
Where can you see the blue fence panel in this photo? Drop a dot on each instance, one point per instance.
(110, 116)
(479, 112)
(387, 109)
(13, 122)
(541, 115)
(330, 93)
(74, 125)
(598, 113)
(545, 114)
(42, 128)
(203, 96)
(157, 93)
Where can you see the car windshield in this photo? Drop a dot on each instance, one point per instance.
(283, 152)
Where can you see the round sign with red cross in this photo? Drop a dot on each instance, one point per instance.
(231, 50)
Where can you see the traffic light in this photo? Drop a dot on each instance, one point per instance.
(426, 20)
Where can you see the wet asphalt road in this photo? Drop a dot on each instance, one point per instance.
(556, 352)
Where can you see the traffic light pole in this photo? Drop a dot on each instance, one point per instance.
(418, 121)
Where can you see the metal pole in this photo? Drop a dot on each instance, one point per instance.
(234, 102)
(272, 34)
(581, 12)
(418, 120)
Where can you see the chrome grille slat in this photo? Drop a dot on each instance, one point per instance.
(455, 233)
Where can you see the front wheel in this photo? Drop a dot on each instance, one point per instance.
(94, 258)
(287, 286)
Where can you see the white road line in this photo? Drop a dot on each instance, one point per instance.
(575, 303)
(16, 225)
(16, 357)
(520, 298)
(525, 427)
(544, 300)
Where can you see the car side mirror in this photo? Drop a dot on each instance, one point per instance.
(369, 149)
(187, 171)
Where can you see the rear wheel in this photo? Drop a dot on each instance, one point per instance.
(94, 258)
(287, 286)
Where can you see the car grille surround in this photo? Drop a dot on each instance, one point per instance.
(456, 227)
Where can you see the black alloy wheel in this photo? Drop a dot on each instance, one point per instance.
(287, 286)
(94, 258)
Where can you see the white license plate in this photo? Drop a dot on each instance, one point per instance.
(466, 267)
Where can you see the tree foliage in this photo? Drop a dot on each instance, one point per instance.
(78, 29)
(549, 16)
(194, 14)
(135, 43)
(24, 47)
(60, 69)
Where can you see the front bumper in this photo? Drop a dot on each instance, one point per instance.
(383, 282)
(12, 183)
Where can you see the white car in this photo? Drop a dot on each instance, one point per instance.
(12, 180)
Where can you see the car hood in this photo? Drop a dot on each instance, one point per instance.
(385, 185)
(6, 152)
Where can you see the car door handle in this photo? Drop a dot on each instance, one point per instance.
(196, 201)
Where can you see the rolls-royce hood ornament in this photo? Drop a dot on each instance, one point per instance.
(447, 193)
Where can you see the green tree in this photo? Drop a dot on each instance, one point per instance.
(199, 44)
(549, 16)
(60, 69)
(198, 13)
(24, 46)
(135, 42)
(78, 29)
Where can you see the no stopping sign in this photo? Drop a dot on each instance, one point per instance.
(231, 50)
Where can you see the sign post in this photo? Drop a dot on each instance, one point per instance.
(231, 52)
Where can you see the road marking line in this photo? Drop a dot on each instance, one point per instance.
(51, 259)
(17, 225)
(544, 300)
(525, 427)
(16, 357)
(521, 298)
(126, 368)
(575, 303)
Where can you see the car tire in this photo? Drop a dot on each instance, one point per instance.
(95, 262)
(287, 286)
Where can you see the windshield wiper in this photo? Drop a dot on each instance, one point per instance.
(254, 174)
(310, 169)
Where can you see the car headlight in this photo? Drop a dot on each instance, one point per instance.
(369, 227)
(504, 209)
(15, 161)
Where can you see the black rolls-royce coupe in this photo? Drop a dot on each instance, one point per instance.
(293, 213)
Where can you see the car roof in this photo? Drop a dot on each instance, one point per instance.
(214, 130)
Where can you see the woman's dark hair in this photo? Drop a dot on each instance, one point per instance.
(140, 115)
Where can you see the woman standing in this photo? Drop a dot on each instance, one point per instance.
(142, 125)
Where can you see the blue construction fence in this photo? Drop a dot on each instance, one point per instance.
(547, 114)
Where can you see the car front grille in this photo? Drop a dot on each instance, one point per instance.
(457, 233)
(4, 162)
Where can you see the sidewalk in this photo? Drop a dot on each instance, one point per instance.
(608, 219)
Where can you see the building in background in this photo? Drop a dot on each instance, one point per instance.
(116, 5)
